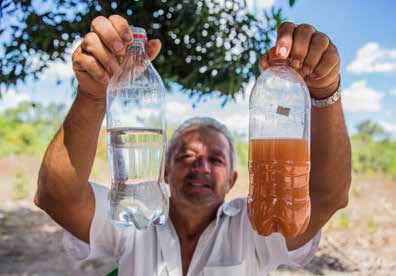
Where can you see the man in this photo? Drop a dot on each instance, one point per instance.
(203, 235)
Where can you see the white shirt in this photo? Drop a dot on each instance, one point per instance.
(228, 246)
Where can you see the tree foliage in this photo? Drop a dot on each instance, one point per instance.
(207, 45)
(369, 130)
(29, 127)
(372, 150)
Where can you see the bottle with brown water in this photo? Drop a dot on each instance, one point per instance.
(279, 152)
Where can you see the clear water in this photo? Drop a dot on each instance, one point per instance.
(140, 107)
(136, 197)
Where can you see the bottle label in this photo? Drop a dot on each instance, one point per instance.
(283, 110)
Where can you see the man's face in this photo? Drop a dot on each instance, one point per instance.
(199, 171)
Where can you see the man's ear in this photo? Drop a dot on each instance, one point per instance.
(233, 179)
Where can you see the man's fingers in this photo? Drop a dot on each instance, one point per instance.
(91, 44)
(109, 35)
(153, 48)
(75, 59)
(122, 27)
(326, 80)
(270, 59)
(311, 54)
(327, 63)
(301, 40)
(319, 44)
(264, 64)
(284, 41)
(83, 62)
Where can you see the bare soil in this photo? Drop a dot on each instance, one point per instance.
(359, 240)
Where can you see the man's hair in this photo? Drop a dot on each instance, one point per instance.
(201, 123)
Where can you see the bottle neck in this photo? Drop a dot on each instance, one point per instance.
(137, 47)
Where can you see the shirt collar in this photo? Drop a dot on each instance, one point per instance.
(170, 243)
(229, 208)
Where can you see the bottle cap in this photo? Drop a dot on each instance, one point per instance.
(139, 33)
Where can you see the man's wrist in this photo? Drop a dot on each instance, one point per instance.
(86, 111)
(324, 93)
(331, 99)
(85, 98)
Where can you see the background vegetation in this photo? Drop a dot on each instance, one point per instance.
(28, 129)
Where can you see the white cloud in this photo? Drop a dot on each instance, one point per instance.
(389, 127)
(371, 58)
(235, 115)
(11, 99)
(175, 109)
(360, 98)
(58, 70)
(237, 122)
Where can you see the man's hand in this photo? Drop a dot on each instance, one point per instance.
(311, 54)
(97, 58)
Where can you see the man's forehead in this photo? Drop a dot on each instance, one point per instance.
(211, 138)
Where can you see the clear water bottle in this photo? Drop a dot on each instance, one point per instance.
(136, 140)
(279, 152)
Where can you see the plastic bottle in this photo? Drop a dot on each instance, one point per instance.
(136, 140)
(279, 152)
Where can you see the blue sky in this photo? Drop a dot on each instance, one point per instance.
(363, 31)
(359, 26)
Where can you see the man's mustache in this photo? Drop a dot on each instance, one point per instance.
(206, 179)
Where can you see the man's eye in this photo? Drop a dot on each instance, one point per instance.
(217, 161)
(185, 156)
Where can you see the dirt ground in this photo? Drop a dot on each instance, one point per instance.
(359, 240)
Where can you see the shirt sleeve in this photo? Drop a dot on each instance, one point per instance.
(303, 255)
(271, 251)
(106, 241)
(274, 249)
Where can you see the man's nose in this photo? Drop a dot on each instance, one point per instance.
(202, 165)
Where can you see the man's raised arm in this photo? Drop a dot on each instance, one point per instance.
(316, 59)
(330, 176)
(63, 190)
